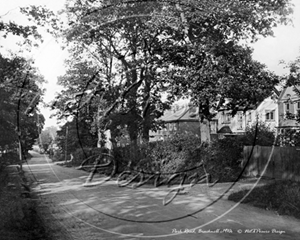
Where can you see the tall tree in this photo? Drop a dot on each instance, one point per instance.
(183, 48)
(20, 92)
(20, 95)
(67, 137)
(128, 44)
(208, 61)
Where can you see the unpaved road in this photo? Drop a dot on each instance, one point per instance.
(73, 211)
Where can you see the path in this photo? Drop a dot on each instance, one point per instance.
(110, 212)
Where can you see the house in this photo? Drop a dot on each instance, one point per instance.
(267, 112)
(230, 125)
(186, 119)
(180, 119)
(288, 103)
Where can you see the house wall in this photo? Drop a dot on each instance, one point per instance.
(288, 96)
(175, 128)
(236, 123)
(283, 121)
(263, 110)
(266, 112)
(189, 127)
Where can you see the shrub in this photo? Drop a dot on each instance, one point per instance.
(265, 136)
(289, 137)
(181, 153)
(222, 159)
(56, 155)
(82, 154)
(9, 158)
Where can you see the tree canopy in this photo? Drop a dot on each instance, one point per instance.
(19, 96)
(20, 93)
(126, 56)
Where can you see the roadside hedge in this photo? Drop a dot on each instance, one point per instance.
(180, 154)
(184, 154)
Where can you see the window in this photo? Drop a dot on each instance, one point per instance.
(287, 107)
(270, 115)
(240, 120)
(249, 117)
(287, 110)
(226, 117)
(240, 115)
(297, 108)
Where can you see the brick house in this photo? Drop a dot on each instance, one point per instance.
(185, 119)
(180, 119)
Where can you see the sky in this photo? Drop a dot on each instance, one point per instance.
(285, 45)
(49, 57)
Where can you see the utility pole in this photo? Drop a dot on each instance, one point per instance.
(20, 150)
(19, 139)
(66, 144)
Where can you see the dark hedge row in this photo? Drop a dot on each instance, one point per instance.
(179, 154)
(185, 154)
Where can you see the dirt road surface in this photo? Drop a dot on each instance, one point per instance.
(72, 211)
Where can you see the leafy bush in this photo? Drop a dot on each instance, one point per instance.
(223, 157)
(57, 155)
(185, 153)
(82, 154)
(289, 137)
(265, 136)
(9, 158)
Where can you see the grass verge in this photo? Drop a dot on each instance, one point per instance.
(19, 219)
(281, 196)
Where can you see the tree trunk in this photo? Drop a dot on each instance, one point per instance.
(145, 133)
(205, 130)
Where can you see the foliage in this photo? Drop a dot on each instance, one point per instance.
(265, 136)
(273, 196)
(185, 153)
(289, 137)
(181, 48)
(82, 154)
(223, 159)
(29, 34)
(209, 63)
(19, 96)
(293, 79)
(130, 81)
(124, 56)
(74, 135)
(8, 158)
(56, 155)
(19, 219)
(47, 137)
(45, 140)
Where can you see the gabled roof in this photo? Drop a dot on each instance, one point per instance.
(276, 91)
(185, 114)
(289, 93)
(225, 129)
